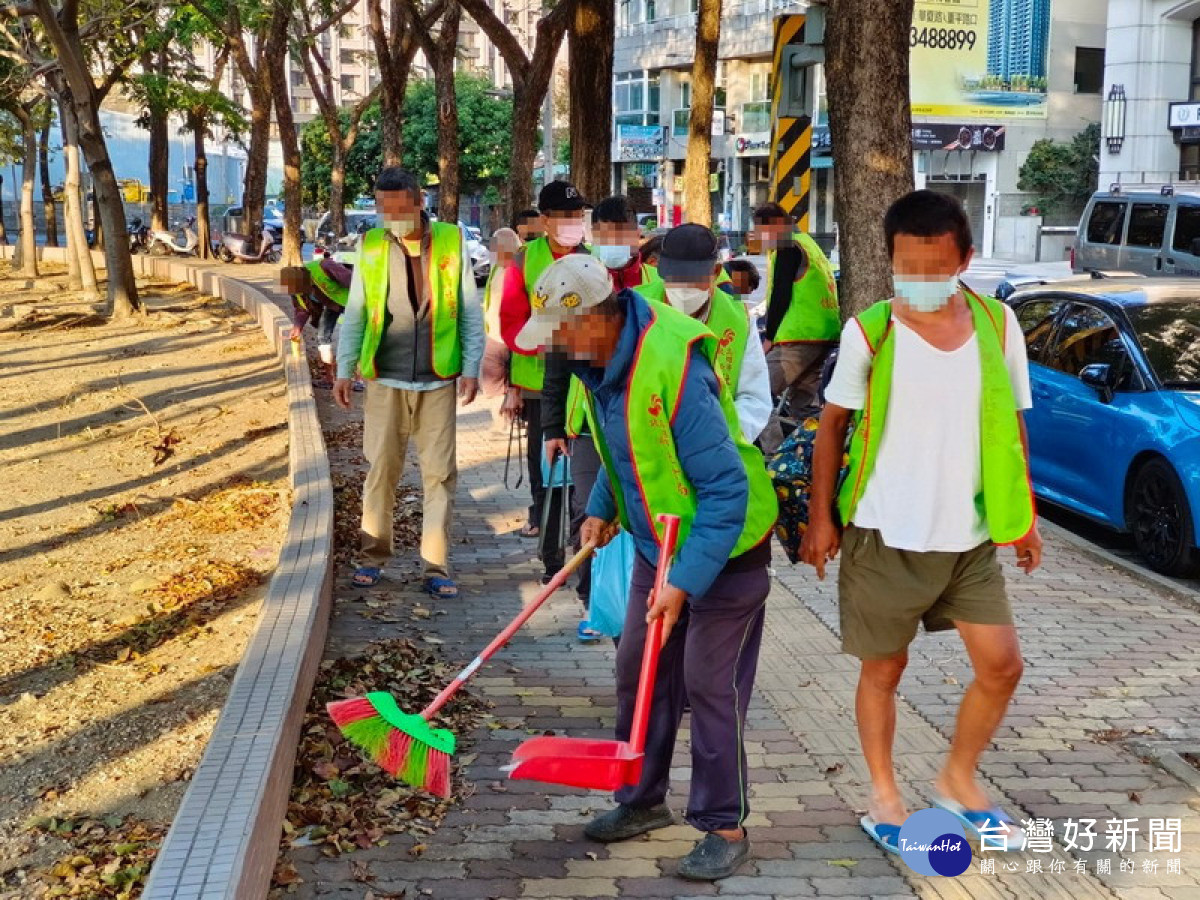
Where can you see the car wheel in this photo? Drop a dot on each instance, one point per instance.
(159, 250)
(1161, 520)
(225, 255)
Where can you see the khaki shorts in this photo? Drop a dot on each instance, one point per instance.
(884, 594)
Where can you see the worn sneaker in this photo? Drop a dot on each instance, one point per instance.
(714, 858)
(625, 822)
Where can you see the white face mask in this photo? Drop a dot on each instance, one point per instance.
(614, 256)
(404, 227)
(688, 300)
(923, 295)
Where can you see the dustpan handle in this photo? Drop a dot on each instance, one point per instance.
(645, 691)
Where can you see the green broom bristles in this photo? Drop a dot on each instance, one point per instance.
(403, 745)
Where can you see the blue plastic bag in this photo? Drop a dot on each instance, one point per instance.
(560, 474)
(612, 566)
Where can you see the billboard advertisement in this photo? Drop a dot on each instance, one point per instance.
(639, 143)
(980, 59)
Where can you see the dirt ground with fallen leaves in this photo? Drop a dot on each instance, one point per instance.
(144, 502)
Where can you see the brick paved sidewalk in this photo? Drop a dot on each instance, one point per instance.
(1102, 651)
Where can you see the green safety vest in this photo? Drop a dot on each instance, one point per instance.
(529, 371)
(1007, 501)
(443, 271)
(327, 285)
(813, 313)
(654, 389)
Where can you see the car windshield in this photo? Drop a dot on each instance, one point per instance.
(1169, 332)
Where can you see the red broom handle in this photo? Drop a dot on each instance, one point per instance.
(504, 636)
(645, 692)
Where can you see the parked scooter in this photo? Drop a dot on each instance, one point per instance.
(237, 247)
(162, 243)
(139, 236)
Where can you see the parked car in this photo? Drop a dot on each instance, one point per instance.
(231, 222)
(1148, 232)
(1114, 433)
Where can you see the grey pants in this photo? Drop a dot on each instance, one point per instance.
(798, 366)
(709, 661)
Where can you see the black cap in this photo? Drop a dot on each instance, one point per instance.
(560, 196)
(688, 253)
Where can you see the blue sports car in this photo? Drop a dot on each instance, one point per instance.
(1115, 430)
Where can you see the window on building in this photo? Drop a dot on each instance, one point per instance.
(759, 85)
(345, 32)
(1147, 223)
(349, 83)
(1089, 70)
(685, 93)
(348, 57)
(297, 78)
(636, 98)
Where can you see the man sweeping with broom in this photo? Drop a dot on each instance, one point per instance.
(669, 436)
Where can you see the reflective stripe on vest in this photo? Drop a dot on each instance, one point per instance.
(813, 313)
(653, 392)
(327, 285)
(730, 324)
(577, 409)
(1007, 494)
(442, 274)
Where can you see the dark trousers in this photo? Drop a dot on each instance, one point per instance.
(585, 468)
(550, 543)
(709, 661)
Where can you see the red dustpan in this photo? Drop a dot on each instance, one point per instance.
(595, 764)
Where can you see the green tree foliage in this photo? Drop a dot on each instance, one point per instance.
(1063, 174)
(484, 137)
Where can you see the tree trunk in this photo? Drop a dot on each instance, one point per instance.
(293, 203)
(527, 110)
(97, 222)
(590, 44)
(28, 244)
(337, 187)
(254, 185)
(48, 209)
(81, 275)
(395, 48)
(3, 227)
(870, 126)
(447, 115)
(697, 198)
(203, 226)
(118, 261)
(160, 164)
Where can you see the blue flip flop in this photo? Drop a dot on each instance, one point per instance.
(885, 835)
(983, 823)
(369, 576)
(441, 587)
(586, 634)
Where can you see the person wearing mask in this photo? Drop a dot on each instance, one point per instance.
(934, 382)
(668, 433)
(493, 379)
(802, 321)
(528, 225)
(562, 219)
(413, 327)
(690, 266)
(615, 242)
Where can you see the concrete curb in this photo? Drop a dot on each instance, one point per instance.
(224, 840)
(1154, 581)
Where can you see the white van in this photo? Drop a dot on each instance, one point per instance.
(1138, 230)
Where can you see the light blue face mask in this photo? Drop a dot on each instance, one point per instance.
(925, 296)
(614, 256)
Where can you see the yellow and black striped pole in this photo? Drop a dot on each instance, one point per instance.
(791, 136)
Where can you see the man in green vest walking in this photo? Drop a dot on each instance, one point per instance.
(933, 382)
(413, 327)
(802, 320)
(668, 433)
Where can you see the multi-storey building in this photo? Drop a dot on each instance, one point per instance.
(976, 112)
(1151, 131)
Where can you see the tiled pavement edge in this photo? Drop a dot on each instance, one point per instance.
(1103, 652)
(222, 844)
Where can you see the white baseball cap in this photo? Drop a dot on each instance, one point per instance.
(568, 287)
